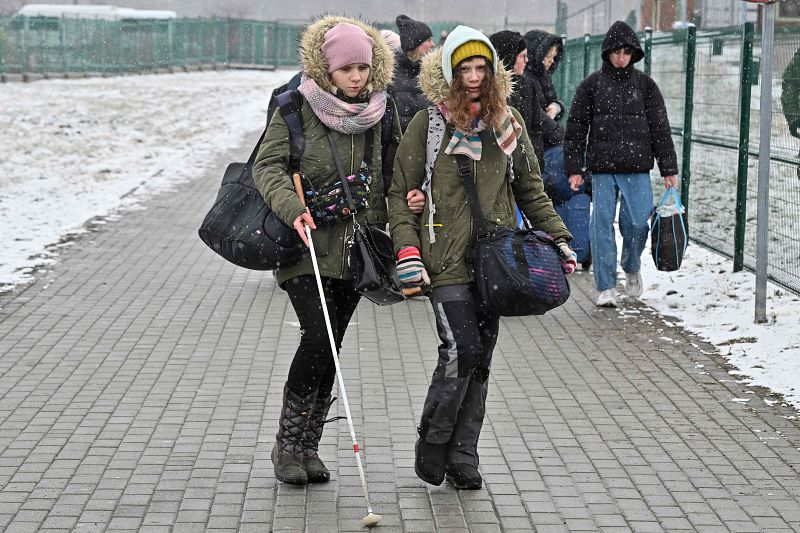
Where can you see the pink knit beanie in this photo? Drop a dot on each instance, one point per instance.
(345, 44)
(392, 38)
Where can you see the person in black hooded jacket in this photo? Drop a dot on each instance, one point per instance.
(512, 50)
(416, 40)
(545, 51)
(617, 124)
(546, 47)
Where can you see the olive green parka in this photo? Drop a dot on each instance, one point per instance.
(331, 241)
(446, 259)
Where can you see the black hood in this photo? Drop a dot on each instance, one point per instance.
(402, 61)
(539, 43)
(508, 45)
(619, 35)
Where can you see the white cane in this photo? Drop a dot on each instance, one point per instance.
(371, 519)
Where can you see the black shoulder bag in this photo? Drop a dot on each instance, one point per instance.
(372, 256)
(517, 271)
(240, 226)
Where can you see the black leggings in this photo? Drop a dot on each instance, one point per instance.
(312, 367)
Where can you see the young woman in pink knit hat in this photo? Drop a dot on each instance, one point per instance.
(347, 66)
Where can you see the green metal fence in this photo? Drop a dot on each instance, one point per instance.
(54, 46)
(708, 79)
(57, 46)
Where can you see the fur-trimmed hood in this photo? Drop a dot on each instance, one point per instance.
(313, 60)
(435, 87)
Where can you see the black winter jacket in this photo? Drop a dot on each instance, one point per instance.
(405, 90)
(623, 114)
(525, 100)
(539, 43)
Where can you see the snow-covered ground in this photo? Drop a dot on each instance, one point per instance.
(76, 149)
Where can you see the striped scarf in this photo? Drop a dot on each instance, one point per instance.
(469, 143)
(345, 117)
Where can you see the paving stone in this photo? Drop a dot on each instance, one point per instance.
(141, 376)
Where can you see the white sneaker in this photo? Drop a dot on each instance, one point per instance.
(633, 285)
(607, 298)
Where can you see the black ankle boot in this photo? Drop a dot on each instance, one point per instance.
(316, 471)
(464, 476)
(429, 461)
(287, 454)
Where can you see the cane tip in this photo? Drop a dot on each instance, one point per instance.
(371, 520)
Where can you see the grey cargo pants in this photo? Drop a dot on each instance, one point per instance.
(456, 401)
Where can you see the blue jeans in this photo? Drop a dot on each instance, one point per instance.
(634, 225)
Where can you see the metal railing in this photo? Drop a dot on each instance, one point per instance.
(58, 46)
(51, 46)
(707, 79)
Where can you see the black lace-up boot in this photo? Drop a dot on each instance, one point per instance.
(316, 471)
(429, 458)
(287, 454)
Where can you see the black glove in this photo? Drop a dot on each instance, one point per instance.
(794, 128)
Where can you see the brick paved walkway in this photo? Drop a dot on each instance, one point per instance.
(140, 382)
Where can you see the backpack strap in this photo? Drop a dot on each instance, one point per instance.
(289, 105)
(436, 128)
(387, 122)
(369, 141)
(471, 191)
(248, 167)
(388, 144)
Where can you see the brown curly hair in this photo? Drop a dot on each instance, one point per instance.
(493, 106)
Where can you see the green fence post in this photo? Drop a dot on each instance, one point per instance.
(691, 46)
(561, 18)
(82, 49)
(276, 45)
(120, 47)
(62, 43)
(241, 29)
(25, 49)
(745, 89)
(2, 54)
(586, 39)
(561, 78)
(648, 50)
(44, 56)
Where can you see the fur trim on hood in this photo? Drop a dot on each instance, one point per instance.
(435, 87)
(313, 60)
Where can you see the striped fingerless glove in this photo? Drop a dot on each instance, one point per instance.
(410, 268)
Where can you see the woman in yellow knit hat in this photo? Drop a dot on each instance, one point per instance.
(470, 117)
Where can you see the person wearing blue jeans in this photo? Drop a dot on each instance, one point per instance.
(636, 204)
(617, 126)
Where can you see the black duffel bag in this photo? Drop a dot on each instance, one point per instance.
(517, 271)
(243, 229)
